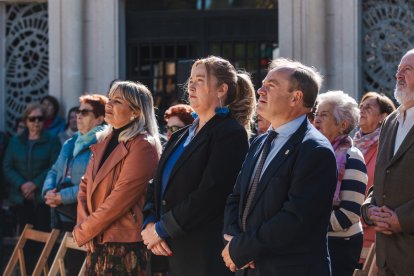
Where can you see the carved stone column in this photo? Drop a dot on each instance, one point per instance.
(324, 34)
(66, 43)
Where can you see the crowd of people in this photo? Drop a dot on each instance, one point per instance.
(303, 191)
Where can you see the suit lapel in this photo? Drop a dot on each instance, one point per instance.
(388, 143)
(169, 149)
(250, 164)
(98, 152)
(405, 145)
(287, 150)
(114, 158)
(200, 138)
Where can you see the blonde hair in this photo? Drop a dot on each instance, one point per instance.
(139, 98)
(241, 96)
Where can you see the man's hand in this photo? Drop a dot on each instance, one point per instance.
(226, 255)
(249, 265)
(391, 220)
(384, 219)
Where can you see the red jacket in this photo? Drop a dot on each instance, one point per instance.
(110, 200)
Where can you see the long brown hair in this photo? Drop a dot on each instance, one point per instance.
(241, 96)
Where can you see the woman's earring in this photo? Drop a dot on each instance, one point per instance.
(222, 111)
(132, 118)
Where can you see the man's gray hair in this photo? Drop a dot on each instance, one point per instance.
(304, 78)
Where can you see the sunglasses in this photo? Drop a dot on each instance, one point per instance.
(35, 118)
(173, 129)
(84, 112)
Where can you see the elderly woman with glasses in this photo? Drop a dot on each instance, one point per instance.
(112, 191)
(177, 117)
(336, 116)
(60, 189)
(27, 160)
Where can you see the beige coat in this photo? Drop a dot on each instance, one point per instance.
(394, 187)
(110, 199)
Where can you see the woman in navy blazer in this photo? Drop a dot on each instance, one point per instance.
(183, 214)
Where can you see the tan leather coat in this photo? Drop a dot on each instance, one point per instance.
(110, 199)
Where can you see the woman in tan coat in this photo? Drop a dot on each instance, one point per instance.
(111, 194)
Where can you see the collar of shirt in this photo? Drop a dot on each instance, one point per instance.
(192, 132)
(407, 113)
(289, 128)
(284, 133)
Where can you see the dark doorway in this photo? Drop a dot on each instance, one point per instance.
(164, 39)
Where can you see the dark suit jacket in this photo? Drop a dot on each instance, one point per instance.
(288, 220)
(193, 203)
(394, 187)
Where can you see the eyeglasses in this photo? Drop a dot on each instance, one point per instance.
(35, 118)
(173, 129)
(84, 112)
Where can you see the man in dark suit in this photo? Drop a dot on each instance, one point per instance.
(276, 219)
(390, 207)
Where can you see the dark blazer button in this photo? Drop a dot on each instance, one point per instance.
(384, 196)
(387, 171)
(164, 203)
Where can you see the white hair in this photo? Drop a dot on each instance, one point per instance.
(344, 107)
(404, 96)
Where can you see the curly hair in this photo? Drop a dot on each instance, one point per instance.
(97, 102)
(182, 111)
(345, 108)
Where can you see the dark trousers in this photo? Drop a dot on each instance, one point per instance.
(37, 215)
(345, 253)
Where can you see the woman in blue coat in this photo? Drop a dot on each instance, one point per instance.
(60, 189)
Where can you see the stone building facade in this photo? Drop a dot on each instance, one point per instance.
(68, 47)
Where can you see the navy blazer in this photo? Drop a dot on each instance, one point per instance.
(192, 205)
(288, 220)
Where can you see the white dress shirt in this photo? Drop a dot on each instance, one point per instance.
(405, 120)
(284, 133)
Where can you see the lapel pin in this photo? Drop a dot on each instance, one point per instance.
(287, 152)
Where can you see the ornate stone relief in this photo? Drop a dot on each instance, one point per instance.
(27, 55)
(387, 33)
